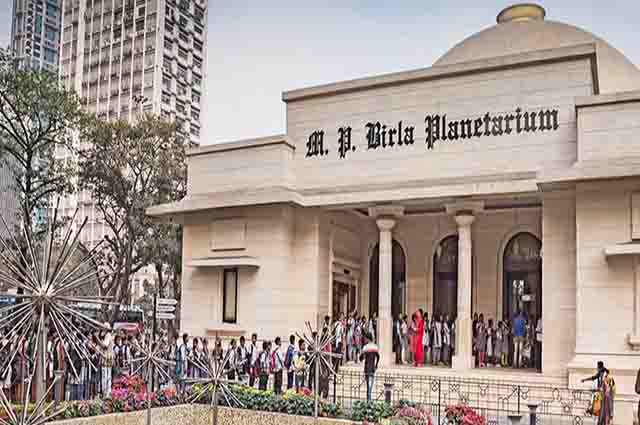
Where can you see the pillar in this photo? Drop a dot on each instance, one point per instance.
(385, 337)
(463, 360)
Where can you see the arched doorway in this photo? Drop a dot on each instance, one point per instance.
(522, 280)
(398, 280)
(445, 277)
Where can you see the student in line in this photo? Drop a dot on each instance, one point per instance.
(371, 358)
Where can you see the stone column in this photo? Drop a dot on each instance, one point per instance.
(463, 360)
(385, 339)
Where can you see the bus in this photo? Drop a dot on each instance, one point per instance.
(130, 318)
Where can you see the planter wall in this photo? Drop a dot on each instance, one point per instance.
(200, 415)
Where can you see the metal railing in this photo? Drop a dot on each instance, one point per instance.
(496, 400)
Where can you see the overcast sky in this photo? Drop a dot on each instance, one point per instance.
(257, 49)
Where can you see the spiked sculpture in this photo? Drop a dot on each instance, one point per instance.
(150, 361)
(37, 417)
(319, 354)
(214, 378)
(47, 275)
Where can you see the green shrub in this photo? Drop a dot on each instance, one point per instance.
(371, 411)
(331, 410)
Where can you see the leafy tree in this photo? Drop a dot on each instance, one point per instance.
(126, 168)
(37, 117)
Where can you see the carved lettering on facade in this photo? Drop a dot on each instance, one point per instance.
(438, 128)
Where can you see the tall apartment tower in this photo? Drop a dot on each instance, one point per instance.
(35, 44)
(35, 33)
(129, 57)
(124, 57)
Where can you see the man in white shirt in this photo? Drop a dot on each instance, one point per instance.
(106, 344)
(232, 360)
(253, 358)
(278, 365)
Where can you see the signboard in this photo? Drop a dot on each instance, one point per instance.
(167, 301)
(437, 129)
(165, 316)
(165, 308)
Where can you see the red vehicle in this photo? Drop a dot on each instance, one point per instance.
(130, 319)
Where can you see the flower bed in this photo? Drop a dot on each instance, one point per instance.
(463, 415)
(129, 395)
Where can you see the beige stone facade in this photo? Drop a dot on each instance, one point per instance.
(539, 134)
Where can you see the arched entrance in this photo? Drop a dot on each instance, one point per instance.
(522, 280)
(522, 277)
(398, 279)
(445, 277)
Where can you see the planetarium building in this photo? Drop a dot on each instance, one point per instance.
(504, 178)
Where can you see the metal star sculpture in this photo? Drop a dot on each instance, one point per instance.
(214, 380)
(37, 417)
(49, 275)
(150, 360)
(319, 353)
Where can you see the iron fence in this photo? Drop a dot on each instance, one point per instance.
(500, 402)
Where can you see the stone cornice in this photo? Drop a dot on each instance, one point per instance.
(242, 144)
(562, 54)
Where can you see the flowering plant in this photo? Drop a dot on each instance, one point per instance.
(413, 415)
(462, 415)
(132, 383)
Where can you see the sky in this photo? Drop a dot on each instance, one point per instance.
(258, 49)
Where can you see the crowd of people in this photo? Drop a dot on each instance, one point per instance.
(418, 341)
(421, 341)
(85, 363)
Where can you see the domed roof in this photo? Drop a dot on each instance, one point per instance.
(522, 28)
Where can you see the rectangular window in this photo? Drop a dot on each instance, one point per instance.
(230, 296)
(50, 56)
(52, 11)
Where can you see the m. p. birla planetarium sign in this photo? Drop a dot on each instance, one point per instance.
(437, 128)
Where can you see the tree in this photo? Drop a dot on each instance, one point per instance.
(37, 117)
(126, 168)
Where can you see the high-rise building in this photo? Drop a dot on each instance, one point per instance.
(128, 57)
(35, 33)
(35, 44)
(124, 57)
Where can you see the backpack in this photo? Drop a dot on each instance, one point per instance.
(288, 359)
(179, 358)
(272, 362)
(262, 358)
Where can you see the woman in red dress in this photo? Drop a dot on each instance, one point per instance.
(417, 340)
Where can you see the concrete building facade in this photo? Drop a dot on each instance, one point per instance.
(35, 33)
(505, 177)
(129, 57)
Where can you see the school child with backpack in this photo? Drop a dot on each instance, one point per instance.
(300, 365)
(182, 355)
(263, 367)
(288, 361)
(277, 365)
